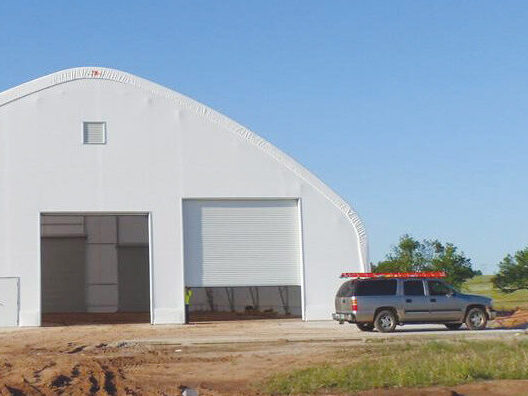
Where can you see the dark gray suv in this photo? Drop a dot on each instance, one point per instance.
(385, 303)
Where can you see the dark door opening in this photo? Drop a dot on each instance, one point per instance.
(241, 303)
(94, 269)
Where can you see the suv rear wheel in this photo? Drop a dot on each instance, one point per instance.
(365, 326)
(453, 326)
(385, 321)
(476, 319)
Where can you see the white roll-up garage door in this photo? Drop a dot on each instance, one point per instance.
(241, 242)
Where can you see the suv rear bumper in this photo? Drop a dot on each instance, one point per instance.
(344, 317)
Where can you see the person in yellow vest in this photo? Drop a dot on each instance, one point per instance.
(188, 295)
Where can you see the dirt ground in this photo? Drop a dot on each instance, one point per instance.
(517, 318)
(211, 357)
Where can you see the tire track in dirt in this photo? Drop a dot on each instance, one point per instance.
(89, 377)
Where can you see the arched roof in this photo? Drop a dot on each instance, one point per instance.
(65, 76)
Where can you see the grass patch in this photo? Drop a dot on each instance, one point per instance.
(482, 285)
(423, 364)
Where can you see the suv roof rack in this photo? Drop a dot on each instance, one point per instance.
(366, 275)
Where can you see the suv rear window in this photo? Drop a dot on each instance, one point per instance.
(384, 287)
(346, 289)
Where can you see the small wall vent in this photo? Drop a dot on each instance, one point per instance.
(94, 132)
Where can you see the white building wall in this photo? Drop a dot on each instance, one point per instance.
(161, 148)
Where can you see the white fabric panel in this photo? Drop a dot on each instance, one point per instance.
(102, 296)
(133, 229)
(101, 229)
(241, 243)
(50, 230)
(8, 302)
(61, 219)
(55, 225)
(101, 309)
(101, 263)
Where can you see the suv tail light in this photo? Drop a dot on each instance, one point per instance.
(354, 304)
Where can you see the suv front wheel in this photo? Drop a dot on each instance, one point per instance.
(476, 319)
(385, 321)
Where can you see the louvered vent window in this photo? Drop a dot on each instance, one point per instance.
(94, 132)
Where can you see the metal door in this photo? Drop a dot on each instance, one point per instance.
(415, 304)
(8, 302)
(443, 304)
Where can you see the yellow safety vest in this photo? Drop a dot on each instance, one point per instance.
(188, 295)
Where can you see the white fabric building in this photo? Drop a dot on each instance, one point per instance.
(116, 193)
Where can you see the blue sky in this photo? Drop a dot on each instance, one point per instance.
(414, 111)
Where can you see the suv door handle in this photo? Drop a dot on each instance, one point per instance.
(433, 299)
(408, 300)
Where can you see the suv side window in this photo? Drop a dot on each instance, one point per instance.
(347, 289)
(413, 288)
(437, 288)
(384, 287)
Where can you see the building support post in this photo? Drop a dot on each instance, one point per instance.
(255, 300)
(285, 298)
(210, 298)
(231, 298)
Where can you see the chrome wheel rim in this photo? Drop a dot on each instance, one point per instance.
(476, 319)
(386, 321)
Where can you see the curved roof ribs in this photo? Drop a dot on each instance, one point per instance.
(213, 116)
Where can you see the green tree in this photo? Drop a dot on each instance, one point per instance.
(411, 255)
(513, 272)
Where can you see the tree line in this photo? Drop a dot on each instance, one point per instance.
(412, 255)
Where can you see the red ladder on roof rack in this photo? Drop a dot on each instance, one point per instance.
(436, 274)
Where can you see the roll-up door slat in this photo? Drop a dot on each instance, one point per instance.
(241, 243)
